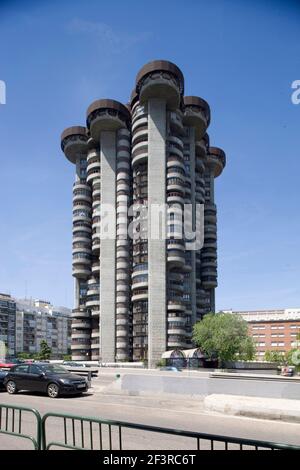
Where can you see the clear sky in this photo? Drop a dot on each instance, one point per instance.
(241, 56)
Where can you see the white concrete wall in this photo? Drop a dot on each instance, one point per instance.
(156, 248)
(193, 202)
(107, 249)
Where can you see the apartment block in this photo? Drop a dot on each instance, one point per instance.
(137, 297)
(7, 325)
(273, 330)
(38, 320)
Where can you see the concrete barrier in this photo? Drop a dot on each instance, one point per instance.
(136, 384)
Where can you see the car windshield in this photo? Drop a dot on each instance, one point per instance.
(53, 368)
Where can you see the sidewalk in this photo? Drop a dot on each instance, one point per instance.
(254, 407)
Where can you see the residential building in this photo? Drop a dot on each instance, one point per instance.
(136, 297)
(39, 320)
(273, 330)
(7, 325)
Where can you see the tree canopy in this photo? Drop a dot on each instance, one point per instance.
(224, 336)
(45, 350)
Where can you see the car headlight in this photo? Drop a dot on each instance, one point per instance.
(65, 381)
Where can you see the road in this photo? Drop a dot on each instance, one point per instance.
(156, 411)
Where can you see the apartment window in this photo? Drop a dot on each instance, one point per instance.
(260, 344)
(277, 344)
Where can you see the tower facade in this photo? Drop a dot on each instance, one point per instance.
(139, 286)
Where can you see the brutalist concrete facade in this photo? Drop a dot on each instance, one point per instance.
(136, 297)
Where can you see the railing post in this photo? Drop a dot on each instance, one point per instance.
(89, 378)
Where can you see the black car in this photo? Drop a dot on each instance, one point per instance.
(52, 379)
(3, 374)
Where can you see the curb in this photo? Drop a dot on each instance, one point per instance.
(275, 409)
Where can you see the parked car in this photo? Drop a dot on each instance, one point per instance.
(3, 374)
(52, 379)
(6, 364)
(15, 360)
(75, 364)
(287, 371)
(170, 368)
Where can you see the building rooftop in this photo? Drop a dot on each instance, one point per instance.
(287, 314)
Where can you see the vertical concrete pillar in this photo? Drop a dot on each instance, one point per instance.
(157, 317)
(193, 202)
(212, 300)
(212, 187)
(107, 248)
(76, 292)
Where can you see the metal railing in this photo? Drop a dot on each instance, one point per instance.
(89, 433)
(12, 423)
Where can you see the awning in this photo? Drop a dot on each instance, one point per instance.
(193, 353)
(174, 353)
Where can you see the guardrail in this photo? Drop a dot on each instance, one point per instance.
(11, 423)
(89, 433)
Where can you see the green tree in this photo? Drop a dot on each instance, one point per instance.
(67, 357)
(293, 358)
(275, 356)
(161, 363)
(224, 336)
(45, 350)
(24, 355)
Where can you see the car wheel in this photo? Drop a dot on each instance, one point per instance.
(11, 387)
(53, 390)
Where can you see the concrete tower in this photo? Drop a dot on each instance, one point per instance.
(135, 299)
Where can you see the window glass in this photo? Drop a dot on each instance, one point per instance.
(35, 369)
(54, 369)
(21, 369)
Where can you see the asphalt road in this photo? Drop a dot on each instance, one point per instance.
(156, 411)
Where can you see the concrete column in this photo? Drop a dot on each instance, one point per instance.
(193, 202)
(157, 317)
(76, 293)
(107, 248)
(212, 300)
(212, 187)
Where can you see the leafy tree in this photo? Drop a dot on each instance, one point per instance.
(275, 356)
(45, 350)
(67, 357)
(161, 363)
(24, 355)
(224, 336)
(293, 358)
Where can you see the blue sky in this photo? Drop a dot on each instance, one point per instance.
(241, 56)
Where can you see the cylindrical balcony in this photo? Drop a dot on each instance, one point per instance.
(160, 79)
(74, 142)
(197, 115)
(216, 160)
(106, 115)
